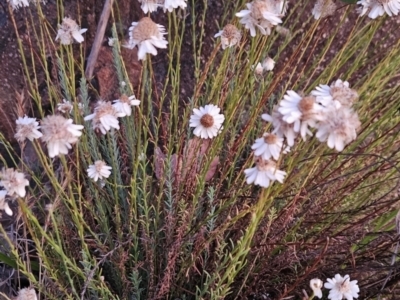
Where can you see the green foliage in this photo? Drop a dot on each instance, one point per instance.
(143, 235)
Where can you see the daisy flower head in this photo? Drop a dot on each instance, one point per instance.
(338, 128)
(341, 287)
(59, 134)
(281, 127)
(104, 117)
(149, 5)
(18, 3)
(207, 121)
(303, 112)
(170, 5)
(230, 36)
(338, 93)
(323, 8)
(264, 173)
(13, 182)
(4, 204)
(69, 31)
(147, 35)
(65, 106)
(377, 8)
(262, 14)
(99, 170)
(27, 128)
(316, 285)
(124, 104)
(269, 145)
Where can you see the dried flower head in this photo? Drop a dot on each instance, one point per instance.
(27, 128)
(4, 204)
(338, 94)
(376, 8)
(27, 294)
(124, 104)
(207, 121)
(99, 170)
(341, 287)
(262, 14)
(230, 36)
(264, 173)
(65, 106)
(14, 182)
(69, 31)
(59, 134)
(323, 8)
(105, 117)
(339, 127)
(316, 285)
(146, 35)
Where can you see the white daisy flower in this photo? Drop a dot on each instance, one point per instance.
(230, 36)
(339, 127)
(303, 112)
(27, 128)
(99, 170)
(147, 35)
(262, 14)
(264, 173)
(65, 106)
(14, 182)
(341, 287)
(270, 145)
(105, 117)
(170, 5)
(339, 94)
(376, 8)
(323, 8)
(4, 204)
(281, 128)
(207, 121)
(150, 5)
(124, 104)
(69, 31)
(59, 134)
(316, 285)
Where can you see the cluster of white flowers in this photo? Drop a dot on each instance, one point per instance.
(69, 31)
(153, 5)
(230, 36)
(207, 121)
(323, 8)
(340, 288)
(105, 115)
(262, 14)
(26, 294)
(327, 109)
(147, 35)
